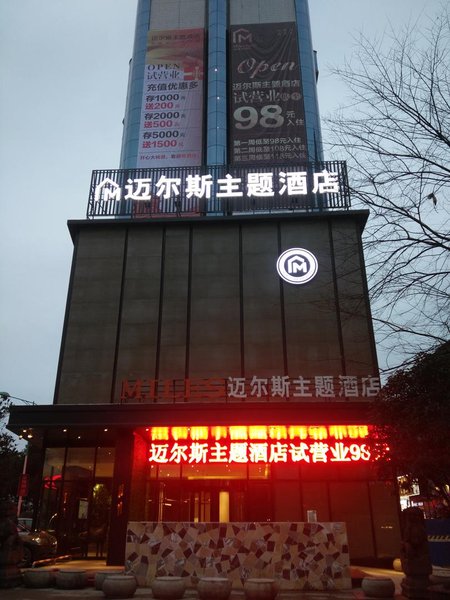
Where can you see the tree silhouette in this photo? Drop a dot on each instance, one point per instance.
(412, 416)
(395, 135)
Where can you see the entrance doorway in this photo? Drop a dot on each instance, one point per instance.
(76, 498)
(199, 501)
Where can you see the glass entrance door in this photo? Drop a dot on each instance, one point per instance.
(76, 498)
(200, 501)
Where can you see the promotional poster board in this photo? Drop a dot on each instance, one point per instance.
(171, 125)
(267, 114)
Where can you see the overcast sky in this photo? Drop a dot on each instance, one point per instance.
(63, 73)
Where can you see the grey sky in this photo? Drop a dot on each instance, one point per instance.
(64, 68)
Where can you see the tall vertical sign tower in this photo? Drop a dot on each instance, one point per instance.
(221, 81)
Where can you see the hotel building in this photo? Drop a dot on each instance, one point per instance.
(218, 358)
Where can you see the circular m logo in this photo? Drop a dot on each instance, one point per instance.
(297, 266)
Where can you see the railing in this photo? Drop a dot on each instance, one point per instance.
(218, 190)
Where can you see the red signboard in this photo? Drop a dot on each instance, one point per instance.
(171, 127)
(253, 444)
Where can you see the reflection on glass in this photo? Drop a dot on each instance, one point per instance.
(283, 471)
(257, 471)
(214, 471)
(80, 463)
(166, 471)
(105, 462)
(54, 461)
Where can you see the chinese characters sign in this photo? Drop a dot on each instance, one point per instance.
(320, 386)
(275, 388)
(172, 107)
(267, 114)
(266, 184)
(258, 444)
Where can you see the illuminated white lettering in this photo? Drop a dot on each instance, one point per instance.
(325, 182)
(258, 452)
(238, 452)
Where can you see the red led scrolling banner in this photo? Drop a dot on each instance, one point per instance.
(258, 444)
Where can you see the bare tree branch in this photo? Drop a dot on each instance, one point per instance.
(395, 135)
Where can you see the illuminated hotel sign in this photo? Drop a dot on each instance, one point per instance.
(297, 266)
(263, 184)
(258, 444)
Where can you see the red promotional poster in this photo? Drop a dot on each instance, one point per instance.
(172, 109)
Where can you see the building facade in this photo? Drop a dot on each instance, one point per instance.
(218, 356)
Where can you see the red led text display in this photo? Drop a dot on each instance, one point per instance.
(254, 444)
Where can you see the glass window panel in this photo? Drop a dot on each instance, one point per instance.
(54, 461)
(215, 471)
(104, 466)
(315, 497)
(259, 502)
(281, 471)
(153, 472)
(257, 471)
(287, 501)
(80, 463)
(237, 505)
(166, 471)
(350, 503)
(169, 501)
(384, 502)
(48, 509)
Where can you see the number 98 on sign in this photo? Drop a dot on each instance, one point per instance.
(269, 116)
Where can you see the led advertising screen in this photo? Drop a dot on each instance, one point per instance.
(266, 444)
(171, 125)
(267, 116)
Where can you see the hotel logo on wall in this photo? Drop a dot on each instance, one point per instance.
(267, 113)
(172, 106)
(297, 266)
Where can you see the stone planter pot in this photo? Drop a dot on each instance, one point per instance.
(378, 587)
(214, 588)
(100, 577)
(39, 578)
(119, 586)
(260, 589)
(168, 587)
(71, 579)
